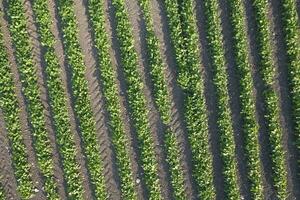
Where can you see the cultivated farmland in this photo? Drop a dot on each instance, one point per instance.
(150, 99)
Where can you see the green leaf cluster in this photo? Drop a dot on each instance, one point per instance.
(137, 101)
(182, 25)
(57, 95)
(27, 70)
(271, 99)
(113, 106)
(163, 102)
(250, 125)
(83, 109)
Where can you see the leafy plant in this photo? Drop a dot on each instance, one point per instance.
(27, 70)
(185, 42)
(11, 111)
(271, 99)
(137, 101)
(110, 90)
(64, 136)
(250, 125)
(82, 103)
(163, 102)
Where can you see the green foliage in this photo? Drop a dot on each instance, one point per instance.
(224, 121)
(137, 101)
(185, 42)
(27, 70)
(64, 136)
(2, 192)
(110, 90)
(82, 103)
(250, 125)
(162, 100)
(292, 38)
(10, 109)
(271, 99)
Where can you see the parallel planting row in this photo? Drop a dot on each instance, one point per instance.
(27, 70)
(81, 102)
(64, 136)
(271, 99)
(10, 109)
(163, 102)
(137, 101)
(184, 36)
(185, 42)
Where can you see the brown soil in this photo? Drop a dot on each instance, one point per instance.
(38, 54)
(282, 87)
(177, 124)
(7, 179)
(25, 126)
(65, 76)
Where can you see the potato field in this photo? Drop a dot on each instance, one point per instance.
(150, 99)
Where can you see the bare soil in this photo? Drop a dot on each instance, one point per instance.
(95, 87)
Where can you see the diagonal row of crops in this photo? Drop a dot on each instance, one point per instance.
(82, 103)
(64, 136)
(290, 20)
(163, 102)
(252, 65)
(185, 44)
(137, 101)
(250, 125)
(110, 91)
(27, 70)
(271, 99)
(10, 109)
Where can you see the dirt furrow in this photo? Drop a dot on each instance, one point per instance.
(97, 99)
(234, 93)
(156, 125)
(38, 55)
(122, 87)
(211, 101)
(282, 86)
(177, 124)
(7, 178)
(25, 126)
(66, 81)
(269, 190)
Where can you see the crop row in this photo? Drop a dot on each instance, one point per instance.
(292, 38)
(163, 102)
(27, 70)
(224, 121)
(110, 91)
(250, 125)
(82, 102)
(2, 192)
(137, 101)
(10, 109)
(64, 136)
(185, 42)
(271, 99)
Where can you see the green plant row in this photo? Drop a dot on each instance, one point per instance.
(27, 70)
(163, 102)
(250, 125)
(185, 42)
(137, 101)
(2, 192)
(64, 136)
(224, 121)
(110, 90)
(271, 99)
(292, 38)
(11, 111)
(82, 102)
